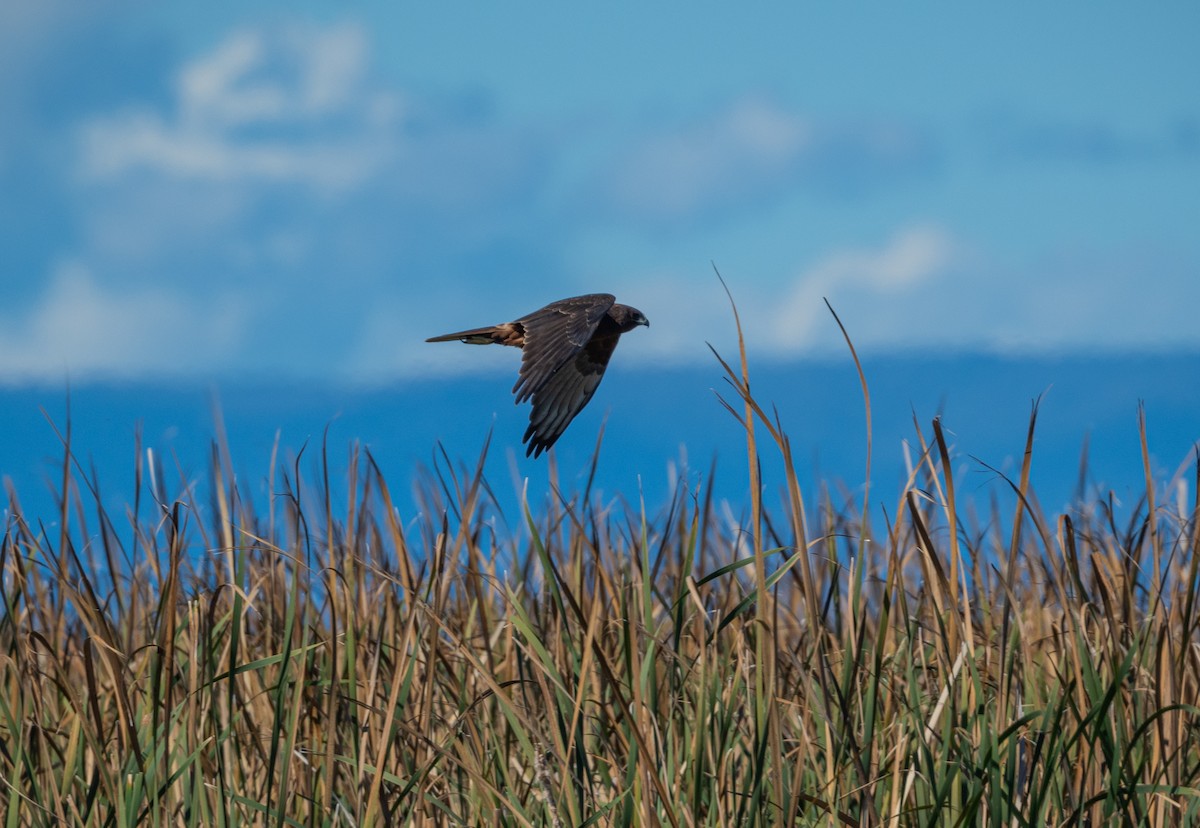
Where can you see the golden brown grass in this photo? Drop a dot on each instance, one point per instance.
(198, 662)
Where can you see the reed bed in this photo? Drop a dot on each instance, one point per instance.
(315, 660)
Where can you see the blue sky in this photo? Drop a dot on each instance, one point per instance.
(310, 190)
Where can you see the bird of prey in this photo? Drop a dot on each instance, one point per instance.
(566, 346)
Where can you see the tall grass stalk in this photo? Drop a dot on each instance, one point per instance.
(333, 661)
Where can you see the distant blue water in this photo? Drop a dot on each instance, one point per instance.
(658, 423)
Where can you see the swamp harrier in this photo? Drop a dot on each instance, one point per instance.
(566, 345)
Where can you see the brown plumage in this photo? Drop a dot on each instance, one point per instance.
(566, 345)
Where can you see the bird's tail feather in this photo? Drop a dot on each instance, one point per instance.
(509, 333)
(475, 336)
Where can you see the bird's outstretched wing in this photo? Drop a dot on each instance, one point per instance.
(554, 336)
(564, 394)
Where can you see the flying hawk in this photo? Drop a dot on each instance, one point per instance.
(566, 345)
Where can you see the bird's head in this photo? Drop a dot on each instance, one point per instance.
(628, 318)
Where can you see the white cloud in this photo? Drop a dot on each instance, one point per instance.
(753, 152)
(26, 26)
(281, 177)
(682, 170)
(913, 257)
(294, 108)
(80, 329)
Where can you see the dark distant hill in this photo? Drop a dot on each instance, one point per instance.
(656, 420)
